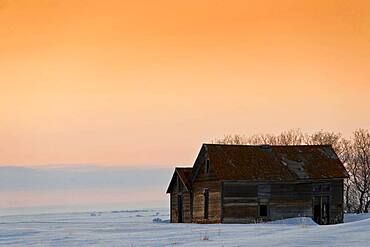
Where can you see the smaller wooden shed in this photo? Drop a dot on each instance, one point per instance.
(180, 189)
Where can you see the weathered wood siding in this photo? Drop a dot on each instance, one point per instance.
(337, 204)
(290, 200)
(179, 190)
(208, 181)
(241, 200)
(336, 201)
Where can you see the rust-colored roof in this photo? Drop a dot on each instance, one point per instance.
(184, 173)
(281, 163)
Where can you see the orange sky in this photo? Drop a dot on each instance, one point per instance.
(146, 82)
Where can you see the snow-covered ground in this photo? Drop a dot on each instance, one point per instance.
(136, 228)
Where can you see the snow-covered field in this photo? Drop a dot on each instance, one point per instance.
(136, 228)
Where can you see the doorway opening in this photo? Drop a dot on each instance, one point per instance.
(321, 209)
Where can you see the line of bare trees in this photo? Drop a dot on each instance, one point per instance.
(354, 152)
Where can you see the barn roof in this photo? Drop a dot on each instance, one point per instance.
(184, 173)
(281, 163)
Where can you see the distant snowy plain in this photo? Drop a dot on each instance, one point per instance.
(136, 228)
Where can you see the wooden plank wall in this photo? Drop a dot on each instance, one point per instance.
(180, 190)
(336, 201)
(290, 200)
(241, 200)
(201, 182)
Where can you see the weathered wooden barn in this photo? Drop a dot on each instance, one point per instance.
(245, 184)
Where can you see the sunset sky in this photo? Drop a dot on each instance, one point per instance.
(144, 83)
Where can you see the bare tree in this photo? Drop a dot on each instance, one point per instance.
(359, 168)
(232, 139)
(291, 137)
(325, 138)
(344, 152)
(262, 139)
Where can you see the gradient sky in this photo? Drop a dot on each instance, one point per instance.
(146, 82)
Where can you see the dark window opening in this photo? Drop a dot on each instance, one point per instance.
(206, 203)
(207, 166)
(263, 210)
